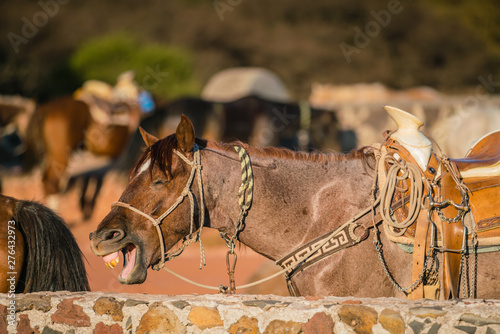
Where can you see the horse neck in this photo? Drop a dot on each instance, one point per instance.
(294, 201)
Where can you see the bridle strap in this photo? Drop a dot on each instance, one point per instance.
(195, 167)
(155, 222)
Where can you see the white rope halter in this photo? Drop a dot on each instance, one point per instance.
(245, 195)
(188, 240)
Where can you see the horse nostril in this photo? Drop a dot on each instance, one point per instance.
(113, 234)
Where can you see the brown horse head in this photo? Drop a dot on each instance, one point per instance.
(155, 183)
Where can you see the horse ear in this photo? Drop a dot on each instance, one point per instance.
(185, 134)
(149, 139)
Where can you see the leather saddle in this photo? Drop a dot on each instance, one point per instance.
(479, 171)
(106, 111)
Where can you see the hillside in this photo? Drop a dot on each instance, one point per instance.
(444, 44)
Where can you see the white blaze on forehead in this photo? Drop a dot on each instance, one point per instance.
(144, 167)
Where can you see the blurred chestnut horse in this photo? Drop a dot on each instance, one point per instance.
(37, 251)
(61, 127)
(297, 197)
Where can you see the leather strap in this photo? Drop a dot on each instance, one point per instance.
(304, 257)
(419, 248)
(452, 239)
(422, 223)
(421, 234)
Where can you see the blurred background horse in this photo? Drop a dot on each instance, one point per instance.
(81, 135)
(251, 119)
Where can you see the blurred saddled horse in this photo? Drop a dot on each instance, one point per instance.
(15, 112)
(64, 127)
(251, 119)
(37, 250)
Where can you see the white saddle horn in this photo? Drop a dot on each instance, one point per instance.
(409, 135)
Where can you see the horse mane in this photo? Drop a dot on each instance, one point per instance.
(161, 152)
(285, 153)
(53, 261)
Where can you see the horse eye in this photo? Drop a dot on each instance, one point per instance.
(159, 182)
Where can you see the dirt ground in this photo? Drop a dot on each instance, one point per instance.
(250, 265)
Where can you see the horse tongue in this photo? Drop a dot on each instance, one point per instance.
(130, 261)
(111, 260)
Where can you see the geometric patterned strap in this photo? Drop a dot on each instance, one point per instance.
(333, 242)
(320, 248)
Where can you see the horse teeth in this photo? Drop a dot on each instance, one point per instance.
(111, 264)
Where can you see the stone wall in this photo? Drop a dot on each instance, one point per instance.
(96, 312)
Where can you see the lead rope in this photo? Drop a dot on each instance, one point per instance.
(245, 197)
(411, 172)
(400, 172)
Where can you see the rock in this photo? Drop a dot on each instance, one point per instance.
(133, 302)
(110, 306)
(360, 318)
(434, 329)
(392, 321)
(320, 323)
(205, 317)
(128, 324)
(245, 325)
(101, 328)
(48, 330)
(427, 312)
(260, 303)
(3, 319)
(180, 304)
(24, 326)
(160, 319)
(283, 327)
(40, 303)
(416, 326)
(467, 329)
(477, 320)
(490, 330)
(71, 314)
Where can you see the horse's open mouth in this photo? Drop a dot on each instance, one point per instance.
(129, 256)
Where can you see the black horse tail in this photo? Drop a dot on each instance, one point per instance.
(53, 261)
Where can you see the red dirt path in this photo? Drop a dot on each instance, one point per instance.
(250, 265)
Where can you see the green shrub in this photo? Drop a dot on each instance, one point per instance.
(164, 71)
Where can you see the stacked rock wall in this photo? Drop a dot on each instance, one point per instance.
(96, 312)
